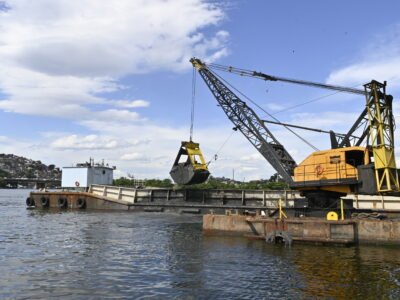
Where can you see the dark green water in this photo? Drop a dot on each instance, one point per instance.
(92, 255)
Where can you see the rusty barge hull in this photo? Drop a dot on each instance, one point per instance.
(314, 230)
(73, 200)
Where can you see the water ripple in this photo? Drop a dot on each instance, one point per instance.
(92, 255)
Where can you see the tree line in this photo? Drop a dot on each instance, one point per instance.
(274, 183)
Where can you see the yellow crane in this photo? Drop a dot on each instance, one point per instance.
(324, 176)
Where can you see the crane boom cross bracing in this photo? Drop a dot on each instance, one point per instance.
(380, 115)
(247, 121)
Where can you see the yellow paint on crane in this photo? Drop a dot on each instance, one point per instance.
(196, 156)
(340, 163)
(381, 127)
(332, 216)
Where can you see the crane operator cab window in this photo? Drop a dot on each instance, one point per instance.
(355, 158)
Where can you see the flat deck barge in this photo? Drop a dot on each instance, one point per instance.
(251, 213)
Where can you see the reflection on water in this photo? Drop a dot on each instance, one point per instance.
(92, 254)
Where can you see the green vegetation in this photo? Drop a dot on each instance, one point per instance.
(14, 166)
(30, 173)
(2, 175)
(217, 183)
(213, 183)
(165, 183)
(128, 182)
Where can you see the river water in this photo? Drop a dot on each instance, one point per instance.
(93, 254)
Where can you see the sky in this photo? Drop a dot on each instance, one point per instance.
(112, 79)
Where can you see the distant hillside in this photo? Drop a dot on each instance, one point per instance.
(20, 167)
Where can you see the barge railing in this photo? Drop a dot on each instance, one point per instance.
(231, 197)
(226, 198)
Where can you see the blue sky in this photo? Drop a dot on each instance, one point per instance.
(112, 80)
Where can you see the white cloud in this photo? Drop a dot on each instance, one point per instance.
(85, 142)
(327, 120)
(252, 157)
(58, 56)
(117, 115)
(113, 37)
(131, 103)
(152, 149)
(364, 72)
(380, 61)
(275, 106)
(132, 156)
(58, 59)
(249, 169)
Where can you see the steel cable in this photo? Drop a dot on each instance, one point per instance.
(193, 102)
(293, 132)
(220, 148)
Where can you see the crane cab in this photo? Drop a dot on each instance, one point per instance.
(189, 166)
(338, 170)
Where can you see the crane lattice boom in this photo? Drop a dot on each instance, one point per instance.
(247, 121)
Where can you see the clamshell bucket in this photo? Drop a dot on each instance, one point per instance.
(189, 166)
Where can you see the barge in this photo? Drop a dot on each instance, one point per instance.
(273, 216)
(168, 200)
